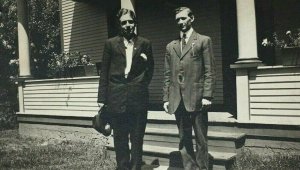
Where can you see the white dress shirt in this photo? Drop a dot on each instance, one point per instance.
(129, 51)
(188, 35)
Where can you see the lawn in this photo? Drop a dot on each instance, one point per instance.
(275, 160)
(17, 152)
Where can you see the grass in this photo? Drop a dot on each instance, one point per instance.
(17, 152)
(286, 160)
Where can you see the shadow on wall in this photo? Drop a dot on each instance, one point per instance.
(84, 28)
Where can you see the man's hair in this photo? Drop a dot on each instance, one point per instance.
(189, 11)
(124, 11)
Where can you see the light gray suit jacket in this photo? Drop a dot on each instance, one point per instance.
(190, 74)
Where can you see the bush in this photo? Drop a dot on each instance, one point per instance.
(8, 118)
(8, 107)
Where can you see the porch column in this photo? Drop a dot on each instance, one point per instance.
(246, 23)
(247, 57)
(23, 40)
(24, 53)
(128, 4)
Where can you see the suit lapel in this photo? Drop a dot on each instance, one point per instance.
(121, 46)
(188, 46)
(176, 47)
(136, 51)
(136, 47)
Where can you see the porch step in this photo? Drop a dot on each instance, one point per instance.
(159, 167)
(217, 141)
(162, 130)
(160, 149)
(171, 156)
(223, 117)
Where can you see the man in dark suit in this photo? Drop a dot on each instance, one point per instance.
(127, 69)
(188, 88)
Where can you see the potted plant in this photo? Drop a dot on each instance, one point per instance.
(62, 65)
(287, 49)
(89, 68)
(71, 64)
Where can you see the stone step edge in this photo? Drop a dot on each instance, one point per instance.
(222, 117)
(217, 156)
(161, 167)
(210, 134)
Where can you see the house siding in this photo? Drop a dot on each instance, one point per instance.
(63, 97)
(275, 95)
(84, 28)
(156, 22)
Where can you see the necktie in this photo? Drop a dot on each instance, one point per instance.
(183, 40)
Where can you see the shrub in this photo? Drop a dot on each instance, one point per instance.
(8, 118)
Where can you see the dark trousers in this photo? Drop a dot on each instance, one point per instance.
(186, 121)
(127, 126)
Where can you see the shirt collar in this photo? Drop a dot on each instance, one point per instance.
(188, 33)
(127, 42)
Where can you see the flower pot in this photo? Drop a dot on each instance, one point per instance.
(78, 71)
(267, 56)
(289, 56)
(90, 70)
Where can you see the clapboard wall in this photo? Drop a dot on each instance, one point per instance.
(275, 95)
(62, 97)
(84, 28)
(156, 21)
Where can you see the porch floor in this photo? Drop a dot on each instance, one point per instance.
(212, 116)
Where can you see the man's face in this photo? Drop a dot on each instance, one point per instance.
(127, 26)
(183, 21)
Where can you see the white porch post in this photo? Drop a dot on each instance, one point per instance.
(23, 40)
(246, 23)
(248, 57)
(128, 4)
(243, 96)
(24, 53)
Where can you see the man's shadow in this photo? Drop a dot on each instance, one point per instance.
(175, 162)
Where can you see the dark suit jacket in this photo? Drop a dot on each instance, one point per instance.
(119, 92)
(192, 72)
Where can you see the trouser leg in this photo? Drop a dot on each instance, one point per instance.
(137, 130)
(200, 124)
(184, 123)
(120, 135)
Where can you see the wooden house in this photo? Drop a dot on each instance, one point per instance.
(257, 99)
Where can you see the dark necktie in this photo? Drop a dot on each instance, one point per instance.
(183, 40)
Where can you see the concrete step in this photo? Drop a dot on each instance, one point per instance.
(211, 134)
(170, 156)
(159, 167)
(217, 141)
(221, 117)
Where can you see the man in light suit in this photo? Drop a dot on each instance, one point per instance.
(127, 69)
(188, 88)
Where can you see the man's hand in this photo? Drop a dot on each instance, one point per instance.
(100, 105)
(166, 107)
(206, 103)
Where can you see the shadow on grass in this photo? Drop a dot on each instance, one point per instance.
(17, 152)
